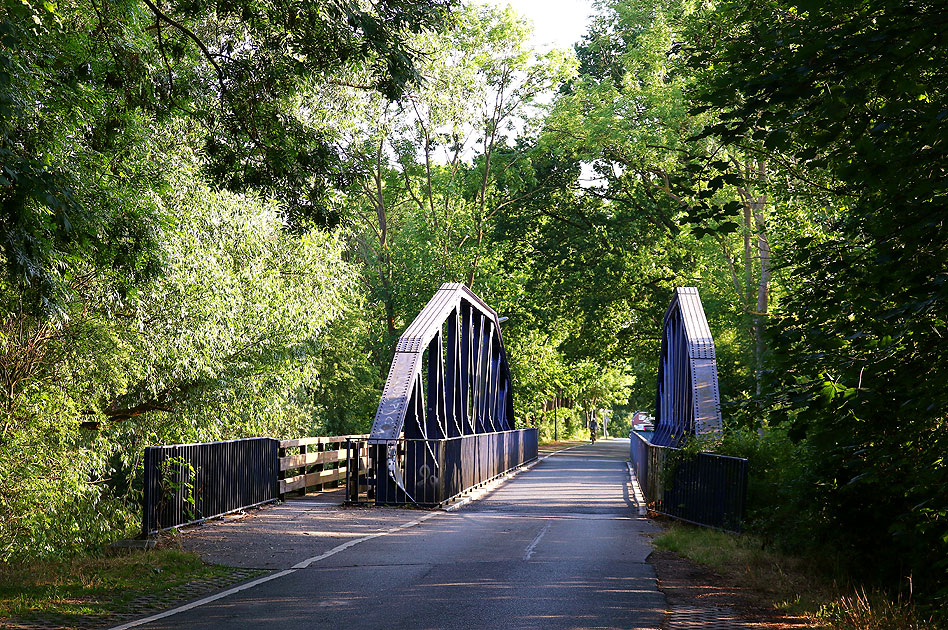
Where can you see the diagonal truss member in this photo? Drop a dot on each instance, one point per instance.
(688, 399)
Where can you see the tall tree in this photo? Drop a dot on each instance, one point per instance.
(425, 189)
(850, 97)
(84, 86)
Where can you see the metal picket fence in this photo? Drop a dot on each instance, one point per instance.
(187, 483)
(432, 472)
(704, 489)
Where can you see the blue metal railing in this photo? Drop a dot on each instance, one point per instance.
(186, 483)
(704, 489)
(429, 473)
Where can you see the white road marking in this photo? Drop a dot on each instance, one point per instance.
(272, 576)
(305, 563)
(201, 602)
(353, 543)
(532, 546)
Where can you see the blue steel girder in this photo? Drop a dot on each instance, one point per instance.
(450, 375)
(688, 402)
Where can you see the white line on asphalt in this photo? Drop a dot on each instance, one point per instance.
(201, 602)
(530, 549)
(272, 576)
(305, 563)
(353, 543)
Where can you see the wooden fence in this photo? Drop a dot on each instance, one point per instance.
(313, 463)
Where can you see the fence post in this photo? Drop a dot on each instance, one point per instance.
(148, 497)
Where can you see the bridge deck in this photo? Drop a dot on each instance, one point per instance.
(558, 546)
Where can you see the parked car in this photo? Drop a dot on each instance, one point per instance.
(642, 421)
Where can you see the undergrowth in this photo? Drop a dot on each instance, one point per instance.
(800, 585)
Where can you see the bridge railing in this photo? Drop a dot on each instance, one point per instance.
(704, 489)
(430, 473)
(186, 483)
(313, 463)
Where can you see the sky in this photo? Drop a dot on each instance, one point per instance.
(556, 23)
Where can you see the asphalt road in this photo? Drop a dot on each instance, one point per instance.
(558, 546)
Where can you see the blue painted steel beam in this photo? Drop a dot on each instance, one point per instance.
(449, 378)
(688, 402)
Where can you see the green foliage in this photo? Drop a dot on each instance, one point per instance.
(850, 96)
(802, 585)
(85, 89)
(176, 478)
(78, 157)
(224, 344)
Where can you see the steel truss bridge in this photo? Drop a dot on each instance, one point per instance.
(445, 422)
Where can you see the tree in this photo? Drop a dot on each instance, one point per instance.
(226, 343)
(428, 169)
(849, 97)
(85, 88)
(610, 195)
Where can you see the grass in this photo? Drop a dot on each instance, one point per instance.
(792, 584)
(96, 586)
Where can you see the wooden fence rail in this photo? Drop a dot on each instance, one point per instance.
(313, 463)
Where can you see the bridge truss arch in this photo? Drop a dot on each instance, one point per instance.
(450, 375)
(688, 401)
(445, 420)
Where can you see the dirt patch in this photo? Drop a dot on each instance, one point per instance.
(696, 594)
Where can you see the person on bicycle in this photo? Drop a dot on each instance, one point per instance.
(593, 427)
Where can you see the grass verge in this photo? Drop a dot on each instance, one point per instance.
(73, 591)
(787, 583)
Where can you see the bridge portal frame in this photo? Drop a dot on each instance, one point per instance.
(449, 379)
(688, 402)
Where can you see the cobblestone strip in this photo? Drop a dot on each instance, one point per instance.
(691, 618)
(138, 607)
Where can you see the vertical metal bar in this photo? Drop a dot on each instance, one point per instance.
(467, 424)
(476, 342)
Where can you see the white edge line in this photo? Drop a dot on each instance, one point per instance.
(206, 600)
(273, 576)
(637, 491)
(353, 543)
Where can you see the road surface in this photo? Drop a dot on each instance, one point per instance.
(558, 546)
